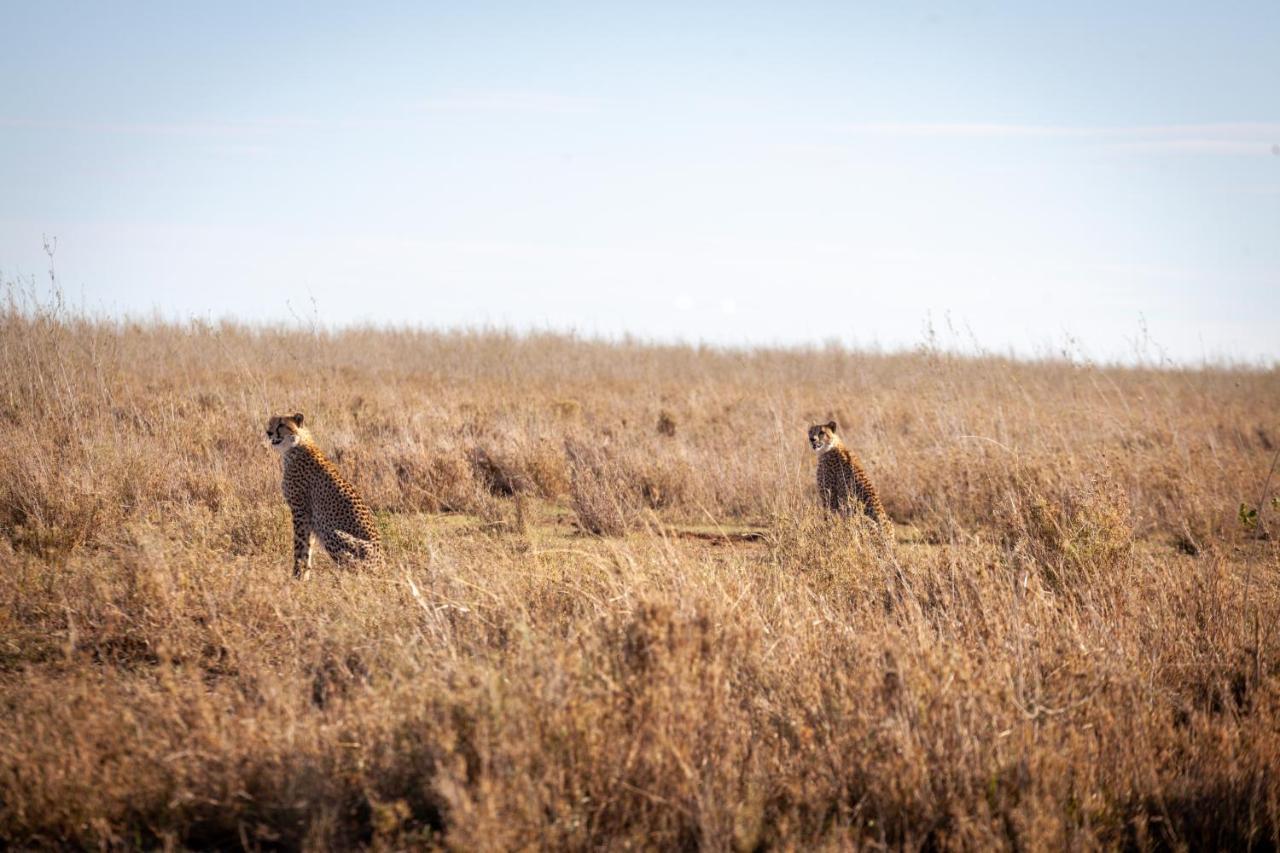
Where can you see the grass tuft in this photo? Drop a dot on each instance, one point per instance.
(1071, 644)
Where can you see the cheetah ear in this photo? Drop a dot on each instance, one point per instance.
(831, 425)
(297, 418)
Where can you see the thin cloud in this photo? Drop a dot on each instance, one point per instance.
(1214, 130)
(539, 103)
(523, 103)
(1193, 146)
(255, 127)
(969, 129)
(1229, 138)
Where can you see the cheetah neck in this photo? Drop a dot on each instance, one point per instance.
(303, 442)
(835, 445)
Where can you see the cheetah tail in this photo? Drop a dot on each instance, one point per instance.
(362, 550)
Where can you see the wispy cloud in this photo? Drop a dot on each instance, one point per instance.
(235, 129)
(522, 102)
(488, 102)
(966, 129)
(1253, 138)
(1194, 145)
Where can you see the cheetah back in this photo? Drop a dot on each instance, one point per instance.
(842, 480)
(337, 513)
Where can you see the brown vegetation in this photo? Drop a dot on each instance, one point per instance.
(1074, 642)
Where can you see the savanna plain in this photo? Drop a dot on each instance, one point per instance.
(612, 615)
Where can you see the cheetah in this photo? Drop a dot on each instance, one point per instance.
(842, 483)
(324, 505)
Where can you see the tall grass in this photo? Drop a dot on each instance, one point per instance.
(1059, 651)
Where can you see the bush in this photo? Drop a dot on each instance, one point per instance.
(1076, 537)
(602, 498)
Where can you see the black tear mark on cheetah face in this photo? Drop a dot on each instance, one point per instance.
(281, 428)
(822, 435)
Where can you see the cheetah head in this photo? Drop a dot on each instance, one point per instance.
(285, 432)
(823, 437)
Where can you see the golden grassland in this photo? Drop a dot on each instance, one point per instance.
(611, 615)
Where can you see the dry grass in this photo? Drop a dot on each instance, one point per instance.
(1074, 642)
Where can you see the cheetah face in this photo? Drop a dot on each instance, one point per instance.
(284, 432)
(822, 437)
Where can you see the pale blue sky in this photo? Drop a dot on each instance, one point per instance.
(731, 173)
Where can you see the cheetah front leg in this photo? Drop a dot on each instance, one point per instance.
(302, 545)
(827, 498)
(831, 500)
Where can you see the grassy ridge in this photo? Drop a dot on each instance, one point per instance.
(1074, 642)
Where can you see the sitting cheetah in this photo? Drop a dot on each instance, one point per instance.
(323, 504)
(842, 483)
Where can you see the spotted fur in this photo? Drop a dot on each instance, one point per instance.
(323, 504)
(843, 485)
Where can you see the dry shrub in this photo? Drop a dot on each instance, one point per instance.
(40, 511)
(951, 489)
(1077, 537)
(443, 481)
(568, 410)
(499, 478)
(661, 481)
(601, 496)
(844, 557)
(520, 468)
(544, 465)
(1186, 506)
(611, 488)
